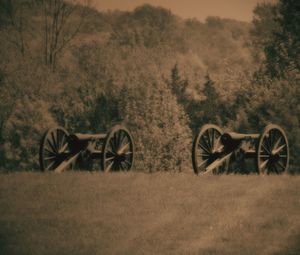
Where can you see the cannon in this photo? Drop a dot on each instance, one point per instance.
(60, 150)
(213, 150)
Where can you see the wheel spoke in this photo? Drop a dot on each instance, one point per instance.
(121, 150)
(111, 143)
(209, 140)
(110, 158)
(264, 156)
(204, 148)
(204, 139)
(50, 152)
(280, 164)
(109, 148)
(219, 148)
(124, 139)
(49, 158)
(274, 167)
(120, 166)
(202, 155)
(268, 166)
(275, 151)
(57, 140)
(115, 166)
(127, 162)
(52, 147)
(54, 142)
(114, 138)
(117, 140)
(277, 143)
(120, 140)
(124, 166)
(110, 153)
(109, 166)
(117, 137)
(218, 141)
(63, 142)
(63, 148)
(282, 156)
(50, 165)
(271, 138)
(265, 148)
(213, 139)
(263, 165)
(267, 142)
(128, 157)
(202, 163)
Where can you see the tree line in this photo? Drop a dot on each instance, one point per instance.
(64, 63)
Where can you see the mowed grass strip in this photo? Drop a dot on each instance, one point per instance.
(137, 213)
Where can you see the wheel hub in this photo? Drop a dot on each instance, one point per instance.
(120, 157)
(274, 157)
(214, 156)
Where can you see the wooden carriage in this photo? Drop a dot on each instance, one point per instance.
(213, 150)
(60, 150)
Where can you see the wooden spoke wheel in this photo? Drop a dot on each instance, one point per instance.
(272, 151)
(54, 148)
(206, 147)
(118, 150)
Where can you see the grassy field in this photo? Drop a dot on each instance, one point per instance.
(137, 213)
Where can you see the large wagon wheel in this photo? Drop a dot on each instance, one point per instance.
(118, 150)
(272, 151)
(206, 147)
(53, 148)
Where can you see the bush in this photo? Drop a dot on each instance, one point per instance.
(159, 126)
(22, 133)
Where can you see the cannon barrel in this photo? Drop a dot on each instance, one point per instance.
(80, 141)
(233, 138)
(89, 137)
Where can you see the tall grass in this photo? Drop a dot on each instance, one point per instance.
(136, 213)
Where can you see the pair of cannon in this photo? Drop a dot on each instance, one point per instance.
(213, 150)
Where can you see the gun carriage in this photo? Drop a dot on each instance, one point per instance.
(60, 150)
(214, 150)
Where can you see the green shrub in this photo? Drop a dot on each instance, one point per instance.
(22, 133)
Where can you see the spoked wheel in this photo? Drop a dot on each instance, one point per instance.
(273, 151)
(118, 150)
(206, 147)
(53, 148)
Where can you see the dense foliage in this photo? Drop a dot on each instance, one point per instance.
(160, 75)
